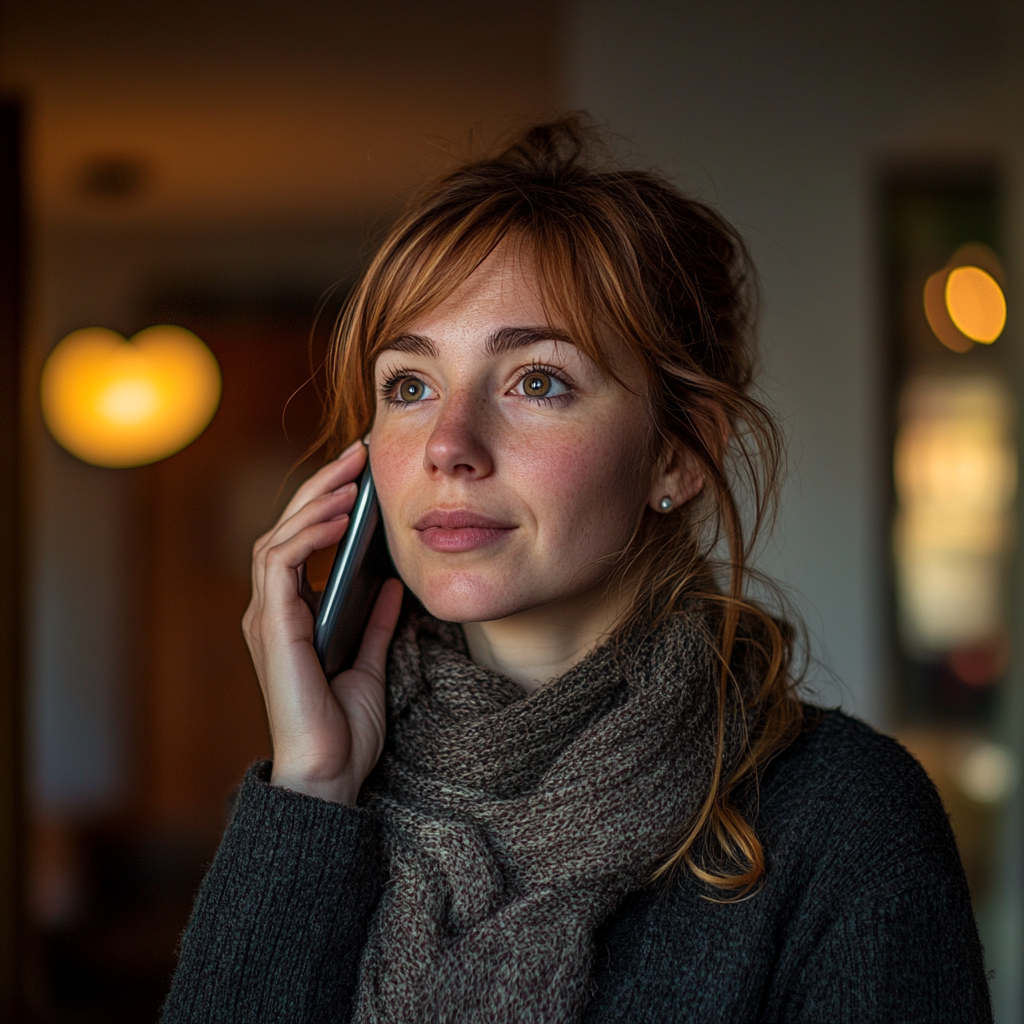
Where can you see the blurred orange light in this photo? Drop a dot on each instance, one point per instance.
(119, 403)
(964, 301)
(976, 304)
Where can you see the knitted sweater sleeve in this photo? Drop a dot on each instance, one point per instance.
(906, 958)
(889, 929)
(282, 915)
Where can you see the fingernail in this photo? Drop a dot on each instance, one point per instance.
(350, 449)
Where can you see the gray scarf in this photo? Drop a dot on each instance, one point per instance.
(514, 823)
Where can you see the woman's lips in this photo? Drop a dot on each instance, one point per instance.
(459, 530)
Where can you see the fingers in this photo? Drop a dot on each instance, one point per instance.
(345, 468)
(373, 651)
(328, 494)
(327, 507)
(293, 551)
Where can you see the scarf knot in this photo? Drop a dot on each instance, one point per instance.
(514, 823)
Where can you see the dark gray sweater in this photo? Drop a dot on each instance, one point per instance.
(863, 916)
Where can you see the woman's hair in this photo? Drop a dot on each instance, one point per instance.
(625, 252)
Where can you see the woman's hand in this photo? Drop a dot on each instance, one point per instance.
(327, 736)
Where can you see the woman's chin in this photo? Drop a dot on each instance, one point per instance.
(470, 599)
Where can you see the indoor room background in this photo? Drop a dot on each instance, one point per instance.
(225, 168)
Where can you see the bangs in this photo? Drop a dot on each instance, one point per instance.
(425, 268)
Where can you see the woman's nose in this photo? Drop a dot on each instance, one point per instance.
(457, 445)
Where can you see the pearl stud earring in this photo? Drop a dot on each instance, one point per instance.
(665, 504)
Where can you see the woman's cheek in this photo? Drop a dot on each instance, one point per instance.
(397, 465)
(583, 488)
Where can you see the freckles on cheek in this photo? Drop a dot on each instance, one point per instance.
(583, 488)
(395, 463)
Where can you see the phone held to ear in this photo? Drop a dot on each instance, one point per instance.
(361, 566)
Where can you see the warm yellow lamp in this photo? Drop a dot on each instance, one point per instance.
(113, 402)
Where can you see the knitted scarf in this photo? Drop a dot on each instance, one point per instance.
(514, 823)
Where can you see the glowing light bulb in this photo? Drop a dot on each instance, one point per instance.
(119, 403)
(129, 401)
(975, 304)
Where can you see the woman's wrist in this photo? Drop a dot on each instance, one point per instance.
(339, 790)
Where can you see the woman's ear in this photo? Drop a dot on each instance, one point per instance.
(681, 476)
(679, 481)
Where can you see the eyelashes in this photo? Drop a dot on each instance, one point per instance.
(541, 384)
(389, 388)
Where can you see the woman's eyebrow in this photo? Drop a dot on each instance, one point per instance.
(416, 344)
(510, 338)
(507, 339)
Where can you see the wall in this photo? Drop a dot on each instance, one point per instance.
(783, 115)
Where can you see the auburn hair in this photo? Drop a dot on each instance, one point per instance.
(623, 251)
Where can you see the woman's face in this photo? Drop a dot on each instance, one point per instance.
(509, 466)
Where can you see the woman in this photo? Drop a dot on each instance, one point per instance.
(574, 782)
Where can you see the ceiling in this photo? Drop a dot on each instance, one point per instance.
(263, 111)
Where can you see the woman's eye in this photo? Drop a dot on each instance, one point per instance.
(411, 389)
(539, 384)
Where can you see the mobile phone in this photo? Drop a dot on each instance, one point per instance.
(360, 567)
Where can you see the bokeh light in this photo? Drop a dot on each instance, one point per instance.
(956, 478)
(964, 301)
(119, 403)
(988, 772)
(976, 304)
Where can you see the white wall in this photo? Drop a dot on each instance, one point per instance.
(783, 113)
